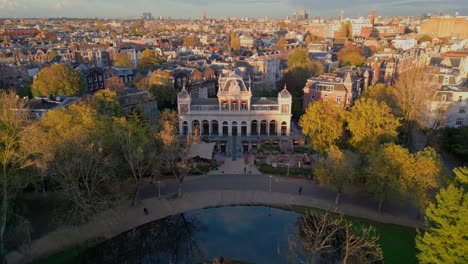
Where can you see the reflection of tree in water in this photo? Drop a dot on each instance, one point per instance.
(169, 240)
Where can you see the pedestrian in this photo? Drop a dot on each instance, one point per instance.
(145, 211)
(300, 189)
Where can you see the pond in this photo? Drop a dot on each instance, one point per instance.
(252, 234)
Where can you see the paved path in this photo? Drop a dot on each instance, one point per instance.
(209, 191)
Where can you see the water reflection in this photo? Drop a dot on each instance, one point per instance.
(254, 234)
(169, 240)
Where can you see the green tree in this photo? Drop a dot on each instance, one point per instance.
(137, 147)
(15, 157)
(323, 124)
(371, 123)
(387, 174)
(335, 169)
(446, 235)
(424, 38)
(57, 79)
(162, 88)
(123, 60)
(351, 55)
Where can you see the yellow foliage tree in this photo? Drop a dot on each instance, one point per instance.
(323, 124)
(371, 123)
(57, 79)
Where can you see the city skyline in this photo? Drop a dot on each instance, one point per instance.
(218, 9)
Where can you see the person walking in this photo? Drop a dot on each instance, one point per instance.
(300, 189)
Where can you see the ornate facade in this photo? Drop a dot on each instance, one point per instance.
(235, 114)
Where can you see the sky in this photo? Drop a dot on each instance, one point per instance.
(223, 8)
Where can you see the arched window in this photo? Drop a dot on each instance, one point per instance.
(234, 128)
(254, 128)
(263, 127)
(214, 127)
(205, 128)
(225, 128)
(185, 128)
(273, 127)
(196, 127)
(244, 128)
(284, 129)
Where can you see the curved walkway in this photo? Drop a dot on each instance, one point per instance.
(113, 222)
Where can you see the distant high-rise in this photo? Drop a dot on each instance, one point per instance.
(301, 15)
(372, 18)
(147, 16)
(204, 14)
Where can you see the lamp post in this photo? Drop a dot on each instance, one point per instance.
(270, 182)
(159, 189)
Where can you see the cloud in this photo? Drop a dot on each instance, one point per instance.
(58, 5)
(8, 4)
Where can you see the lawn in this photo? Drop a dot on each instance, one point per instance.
(68, 256)
(397, 242)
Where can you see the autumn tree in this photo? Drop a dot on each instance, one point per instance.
(150, 58)
(411, 92)
(51, 55)
(235, 41)
(323, 124)
(106, 103)
(114, 84)
(57, 79)
(76, 145)
(123, 60)
(380, 93)
(325, 238)
(299, 58)
(15, 157)
(335, 168)
(190, 41)
(425, 177)
(351, 55)
(176, 152)
(445, 236)
(370, 124)
(312, 39)
(346, 30)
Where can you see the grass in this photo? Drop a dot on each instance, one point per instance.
(67, 256)
(268, 169)
(397, 242)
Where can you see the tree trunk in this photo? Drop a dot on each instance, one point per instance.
(137, 192)
(179, 188)
(337, 198)
(3, 220)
